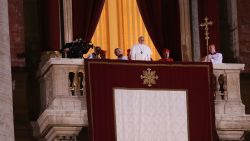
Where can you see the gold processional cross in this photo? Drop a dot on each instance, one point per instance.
(206, 24)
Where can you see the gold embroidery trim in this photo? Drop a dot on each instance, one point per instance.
(149, 77)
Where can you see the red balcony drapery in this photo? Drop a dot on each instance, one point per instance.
(162, 20)
(86, 14)
(102, 76)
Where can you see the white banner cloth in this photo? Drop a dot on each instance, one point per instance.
(151, 115)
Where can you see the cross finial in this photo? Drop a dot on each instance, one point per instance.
(205, 25)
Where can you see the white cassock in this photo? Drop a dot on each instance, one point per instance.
(140, 52)
(214, 58)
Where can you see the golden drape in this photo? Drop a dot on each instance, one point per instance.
(120, 26)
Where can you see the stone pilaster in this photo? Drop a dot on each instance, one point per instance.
(6, 106)
(186, 49)
(195, 30)
(68, 25)
(242, 26)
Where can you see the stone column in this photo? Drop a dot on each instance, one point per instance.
(186, 49)
(233, 25)
(68, 25)
(195, 30)
(6, 106)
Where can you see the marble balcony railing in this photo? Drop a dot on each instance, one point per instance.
(231, 120)
(63, 101)
(64, 111)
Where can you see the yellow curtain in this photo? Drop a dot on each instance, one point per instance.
(120, 25)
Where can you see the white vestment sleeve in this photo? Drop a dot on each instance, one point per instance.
(133, 53)
(216, 58)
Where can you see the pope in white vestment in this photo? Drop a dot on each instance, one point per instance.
(140, 51)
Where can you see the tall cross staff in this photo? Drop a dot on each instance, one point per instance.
(206, 24)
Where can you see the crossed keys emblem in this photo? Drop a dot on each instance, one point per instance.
(149, 77)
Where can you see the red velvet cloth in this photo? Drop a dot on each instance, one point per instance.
(86, 14)
(162, 20)
(104, 75)
(166, 60)
(50, 17)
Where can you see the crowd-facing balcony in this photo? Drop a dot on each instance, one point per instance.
(64, 110)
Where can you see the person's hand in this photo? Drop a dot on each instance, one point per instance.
(209, 57)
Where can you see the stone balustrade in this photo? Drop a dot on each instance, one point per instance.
(231, 120)
(63, 101)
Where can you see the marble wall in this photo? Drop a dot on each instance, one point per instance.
(6, 108)
(244, 32)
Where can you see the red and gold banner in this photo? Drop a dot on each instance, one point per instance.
(102, 76)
